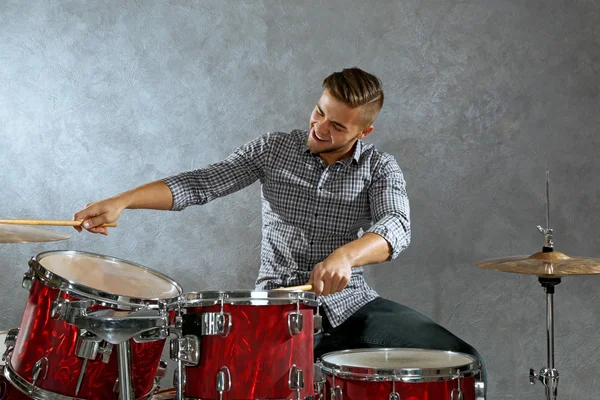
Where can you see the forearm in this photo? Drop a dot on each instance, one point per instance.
(370, 248)
(154, 195)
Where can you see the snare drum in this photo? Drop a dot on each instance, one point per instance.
(393, 374)
(253, 344)
(7, 391)
(53, 358)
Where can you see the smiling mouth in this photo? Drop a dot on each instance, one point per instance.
(317, 137)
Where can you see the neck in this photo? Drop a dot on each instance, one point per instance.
(335, 156)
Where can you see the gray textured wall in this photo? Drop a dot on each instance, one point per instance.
(482, 97)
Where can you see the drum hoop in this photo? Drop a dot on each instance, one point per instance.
(25, 386)
(413, 375)
(56, 281)
(247, 297)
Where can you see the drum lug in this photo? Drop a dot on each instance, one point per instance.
(9, 341)
(186, 350)
(337, 394)
(295, 320)
(223, 381)
(68, 311)
(11, 337)
(394, 395)
(479, 390)
(457, 394)
(216, 324)
(317, 322)
(295, 323)
(296, 379)
(88, 345)
(161, 372)
(40, 367)
(28, 278)
(319, 382)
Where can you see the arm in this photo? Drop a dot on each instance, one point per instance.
(155, 195)
(370, 248)
(390, 207)
(333, 273)
(237, 171)
(384, 240)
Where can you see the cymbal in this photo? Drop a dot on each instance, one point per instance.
(26, 234)
(547, 265)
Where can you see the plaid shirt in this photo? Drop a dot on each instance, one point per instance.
(308, 209)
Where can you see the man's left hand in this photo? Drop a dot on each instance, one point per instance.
(331, 275)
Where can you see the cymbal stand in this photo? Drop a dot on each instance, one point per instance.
(549, 375)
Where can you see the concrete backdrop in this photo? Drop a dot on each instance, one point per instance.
(482, 97)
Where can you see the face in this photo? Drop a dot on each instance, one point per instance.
(335, 128)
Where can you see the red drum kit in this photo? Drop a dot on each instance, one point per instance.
(95, 327)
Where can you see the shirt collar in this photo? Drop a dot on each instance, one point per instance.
(355, 155)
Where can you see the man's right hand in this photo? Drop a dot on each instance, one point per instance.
(102, 212)
(151, 196)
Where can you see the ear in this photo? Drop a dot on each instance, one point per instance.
(366, 132)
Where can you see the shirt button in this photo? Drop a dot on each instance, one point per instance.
(320, 188)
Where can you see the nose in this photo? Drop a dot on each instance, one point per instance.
(322, 128)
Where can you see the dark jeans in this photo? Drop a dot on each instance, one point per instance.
(384, 323)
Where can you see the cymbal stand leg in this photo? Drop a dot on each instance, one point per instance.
(549, 375)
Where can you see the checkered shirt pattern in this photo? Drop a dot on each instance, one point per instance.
(308, 209)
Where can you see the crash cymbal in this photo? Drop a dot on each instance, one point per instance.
(26, 234)
(547, 265)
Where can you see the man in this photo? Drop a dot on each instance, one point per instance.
(330, 203)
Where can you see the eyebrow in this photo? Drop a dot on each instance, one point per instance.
(334, 122)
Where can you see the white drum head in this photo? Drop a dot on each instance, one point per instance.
(398, 359)
(109, 275)
(398, 364)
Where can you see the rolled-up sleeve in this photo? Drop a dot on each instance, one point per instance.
(242, 168)
(389, 206)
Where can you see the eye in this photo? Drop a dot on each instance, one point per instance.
(337, 128)
(318, 111)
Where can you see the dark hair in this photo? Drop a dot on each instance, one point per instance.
(356, 88)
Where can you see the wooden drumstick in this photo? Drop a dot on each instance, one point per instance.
(50, 222)
(301, 287)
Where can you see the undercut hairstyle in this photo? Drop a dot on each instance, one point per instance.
(357, 88)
